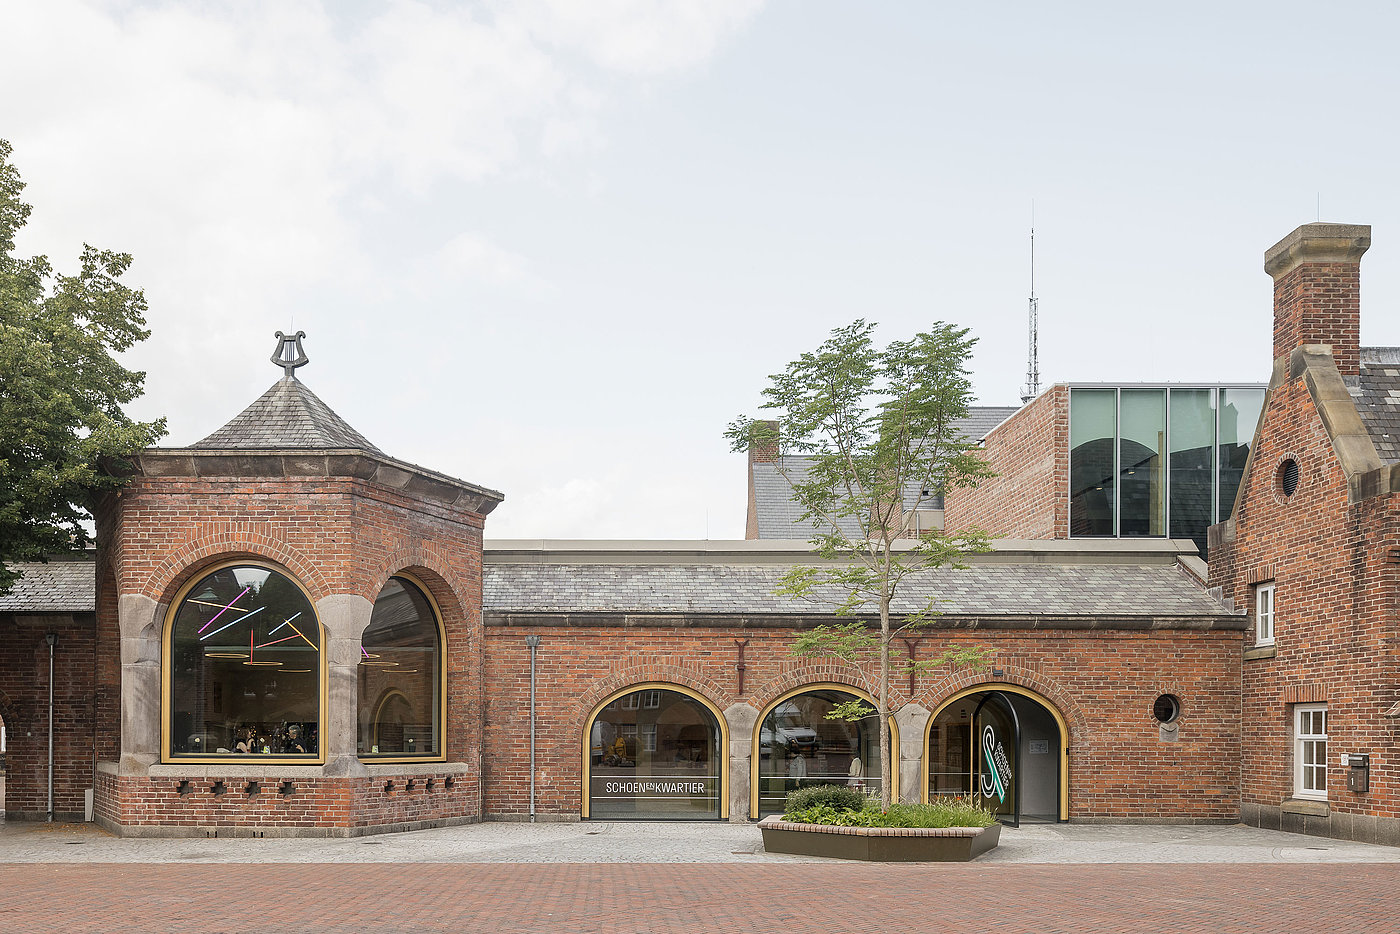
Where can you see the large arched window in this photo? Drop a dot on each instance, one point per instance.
(400, 676)
(654, 752)
(243, 659)
(797, 746)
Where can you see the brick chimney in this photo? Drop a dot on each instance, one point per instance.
(1317, 290)
(763, 449)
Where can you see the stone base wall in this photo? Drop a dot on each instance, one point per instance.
(281, 803)
(1363, 828)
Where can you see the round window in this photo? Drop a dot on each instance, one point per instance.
(1166, 709)
(1288, 476)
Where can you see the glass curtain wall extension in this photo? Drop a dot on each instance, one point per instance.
(1157, 461)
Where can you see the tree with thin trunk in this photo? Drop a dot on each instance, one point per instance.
(64, 436)
(867, 436)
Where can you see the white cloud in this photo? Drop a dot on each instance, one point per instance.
(250, 154)
(472, 255)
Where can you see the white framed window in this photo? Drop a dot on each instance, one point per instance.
(1264, 614)
(1310, 751)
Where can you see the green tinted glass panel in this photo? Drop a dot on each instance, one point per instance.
(1191, 464)
(1239, 414)
(1142, 448)
(1093, 426)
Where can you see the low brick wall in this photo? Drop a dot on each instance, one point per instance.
(207, 801)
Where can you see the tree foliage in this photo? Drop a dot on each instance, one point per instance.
(877, 434)
(61, 389)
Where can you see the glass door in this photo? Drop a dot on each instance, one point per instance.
(996, 737)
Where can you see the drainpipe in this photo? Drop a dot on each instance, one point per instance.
(51, 638)
(533, 641)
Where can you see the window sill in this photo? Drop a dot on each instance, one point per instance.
(1260, 651)
(1309, 806)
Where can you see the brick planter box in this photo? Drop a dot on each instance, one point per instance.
(879, 844)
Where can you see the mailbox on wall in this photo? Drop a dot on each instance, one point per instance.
(1359, 773)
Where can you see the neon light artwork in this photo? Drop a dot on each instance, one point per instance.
(225, 609)
(234, 623)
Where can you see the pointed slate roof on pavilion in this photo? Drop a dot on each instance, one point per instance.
(289, 416)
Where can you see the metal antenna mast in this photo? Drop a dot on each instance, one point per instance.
(1032, 387)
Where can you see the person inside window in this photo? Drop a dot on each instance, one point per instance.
(294, 743)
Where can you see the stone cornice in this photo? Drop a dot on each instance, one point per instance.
(349, 463)
(1317, 243)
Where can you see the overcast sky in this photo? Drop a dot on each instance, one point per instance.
(554, 246)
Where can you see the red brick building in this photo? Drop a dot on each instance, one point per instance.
(286, 631)
(1313, 554)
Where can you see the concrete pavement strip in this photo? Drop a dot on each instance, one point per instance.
(622, 842)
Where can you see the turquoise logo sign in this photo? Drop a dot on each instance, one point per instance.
(997, 772)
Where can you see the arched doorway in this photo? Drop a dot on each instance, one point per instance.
(1004, 746)
(796, 745)
(655, 752)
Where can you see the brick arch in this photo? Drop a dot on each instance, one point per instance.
(428, 562)
(230, 544)
(816, 671)
(641, 674)
(1011, 674)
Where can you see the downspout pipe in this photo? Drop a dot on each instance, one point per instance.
(52, 639)
(533, 641)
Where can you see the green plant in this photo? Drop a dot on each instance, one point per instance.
(838, 797)
(875, 431)
(941, 812)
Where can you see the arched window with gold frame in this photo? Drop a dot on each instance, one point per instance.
(243, 670)
(400, 683)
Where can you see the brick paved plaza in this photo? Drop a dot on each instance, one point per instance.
(663, 898)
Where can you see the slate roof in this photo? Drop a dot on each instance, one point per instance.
(778, 514)
(289, 416)
(981, 590)
(1376, 392)
(60, 586)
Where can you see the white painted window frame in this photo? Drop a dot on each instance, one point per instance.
(1309, 753)
(1265, 607)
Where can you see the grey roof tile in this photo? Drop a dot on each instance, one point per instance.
(289, 416)
(60, 586)
(779, 516)
(1376, 392)
(981, 590)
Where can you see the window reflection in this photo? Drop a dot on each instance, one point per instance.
(798, 746)
(399, 675)
(1142, 447)
(1192, 463)
(654, 755)
(1093, 428)
(1239, 414)
(245, 667)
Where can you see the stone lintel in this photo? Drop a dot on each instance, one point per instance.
(1317, 243)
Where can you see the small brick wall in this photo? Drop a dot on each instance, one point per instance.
(24, 697)
(1029, 497)
(317, 806)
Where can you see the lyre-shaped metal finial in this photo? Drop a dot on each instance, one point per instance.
(289, 354)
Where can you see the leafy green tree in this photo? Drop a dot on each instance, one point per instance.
(61, 390)
(872, 424)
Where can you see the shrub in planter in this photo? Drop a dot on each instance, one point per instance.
(837, 797)
(941, 812)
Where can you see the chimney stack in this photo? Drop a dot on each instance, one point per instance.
(1317, 290)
